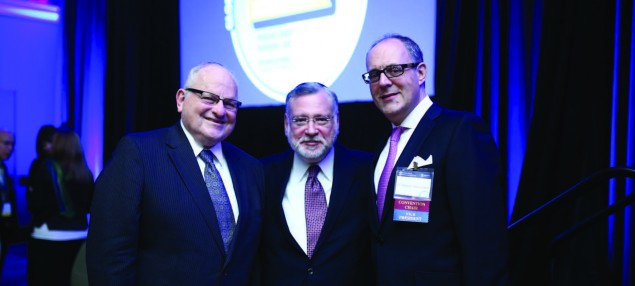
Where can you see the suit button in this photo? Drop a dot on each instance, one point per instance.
(310, 271)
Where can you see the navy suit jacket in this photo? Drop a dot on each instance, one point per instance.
(342, 253)
(153, 222)
(8, 225)
(465, 240)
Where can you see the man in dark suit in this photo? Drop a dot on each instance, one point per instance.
(442, 219)
(178, 206)
(9, 217)
(316, 196)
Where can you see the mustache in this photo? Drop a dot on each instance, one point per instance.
(318, 138)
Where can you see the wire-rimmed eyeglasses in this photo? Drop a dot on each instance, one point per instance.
(301, 121)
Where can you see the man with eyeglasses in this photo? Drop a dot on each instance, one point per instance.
(179, 206)
(439, 216)
(316, 196)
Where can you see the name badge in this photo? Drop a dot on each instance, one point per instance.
(413, 194)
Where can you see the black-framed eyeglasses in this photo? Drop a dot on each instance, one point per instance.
(301, 121)
(213, 99)
(390, 72)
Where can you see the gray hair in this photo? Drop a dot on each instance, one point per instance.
(311, 88)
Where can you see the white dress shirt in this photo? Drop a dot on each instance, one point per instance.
(410, 123)
(221, 165)
(293, 200)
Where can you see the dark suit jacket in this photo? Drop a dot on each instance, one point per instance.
(465, 240)
(43, 203)
(153, 222)
(9, 224)
(342, 253)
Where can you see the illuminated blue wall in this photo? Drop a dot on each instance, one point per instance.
(30, 89)
(33, 89)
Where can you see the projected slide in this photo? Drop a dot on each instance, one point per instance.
(281, 46)
(265, 13)
(273, 45)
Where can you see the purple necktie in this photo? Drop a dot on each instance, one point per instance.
(387, 171)
(217, 192)
(314, 208)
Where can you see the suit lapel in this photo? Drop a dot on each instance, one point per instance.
(182, 156)
(282, 169)
(342, 180)
(234, 165)
(374, 219)
(419, 135)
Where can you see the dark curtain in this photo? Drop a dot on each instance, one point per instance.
(569, 140)
(83, 29)
(554, 62)
(143, 68)
(74, 100)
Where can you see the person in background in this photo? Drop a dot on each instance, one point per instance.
(43, 147)
(316, 229)
(179, 205)
(58, 198)
(9, 217)
(439, 217)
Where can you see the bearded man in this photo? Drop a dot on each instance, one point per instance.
(316, 229)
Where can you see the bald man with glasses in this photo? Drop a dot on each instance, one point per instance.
(438, 213)
(179, 205)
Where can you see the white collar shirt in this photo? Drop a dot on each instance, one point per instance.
(410, 123)
(221, 165)
(293, 200)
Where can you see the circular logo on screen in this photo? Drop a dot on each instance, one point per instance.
(280, 44)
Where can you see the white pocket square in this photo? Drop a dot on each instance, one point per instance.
(418, 162)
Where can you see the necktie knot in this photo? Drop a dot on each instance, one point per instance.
(313, 171)
(207, 156)
(396, 133)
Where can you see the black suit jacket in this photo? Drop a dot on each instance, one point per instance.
(342, 253)
(465, 240)
(153, 222)
(8, 224)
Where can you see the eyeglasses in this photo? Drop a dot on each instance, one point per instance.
(212, 99)
(390, 72)
(301, 121)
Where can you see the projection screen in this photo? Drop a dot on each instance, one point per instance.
(273, 45)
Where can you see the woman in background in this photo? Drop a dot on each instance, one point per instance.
(43, 146)
(59, 201)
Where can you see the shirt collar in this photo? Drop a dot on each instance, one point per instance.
(412, 120)
(217, 150)
(299, 169)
